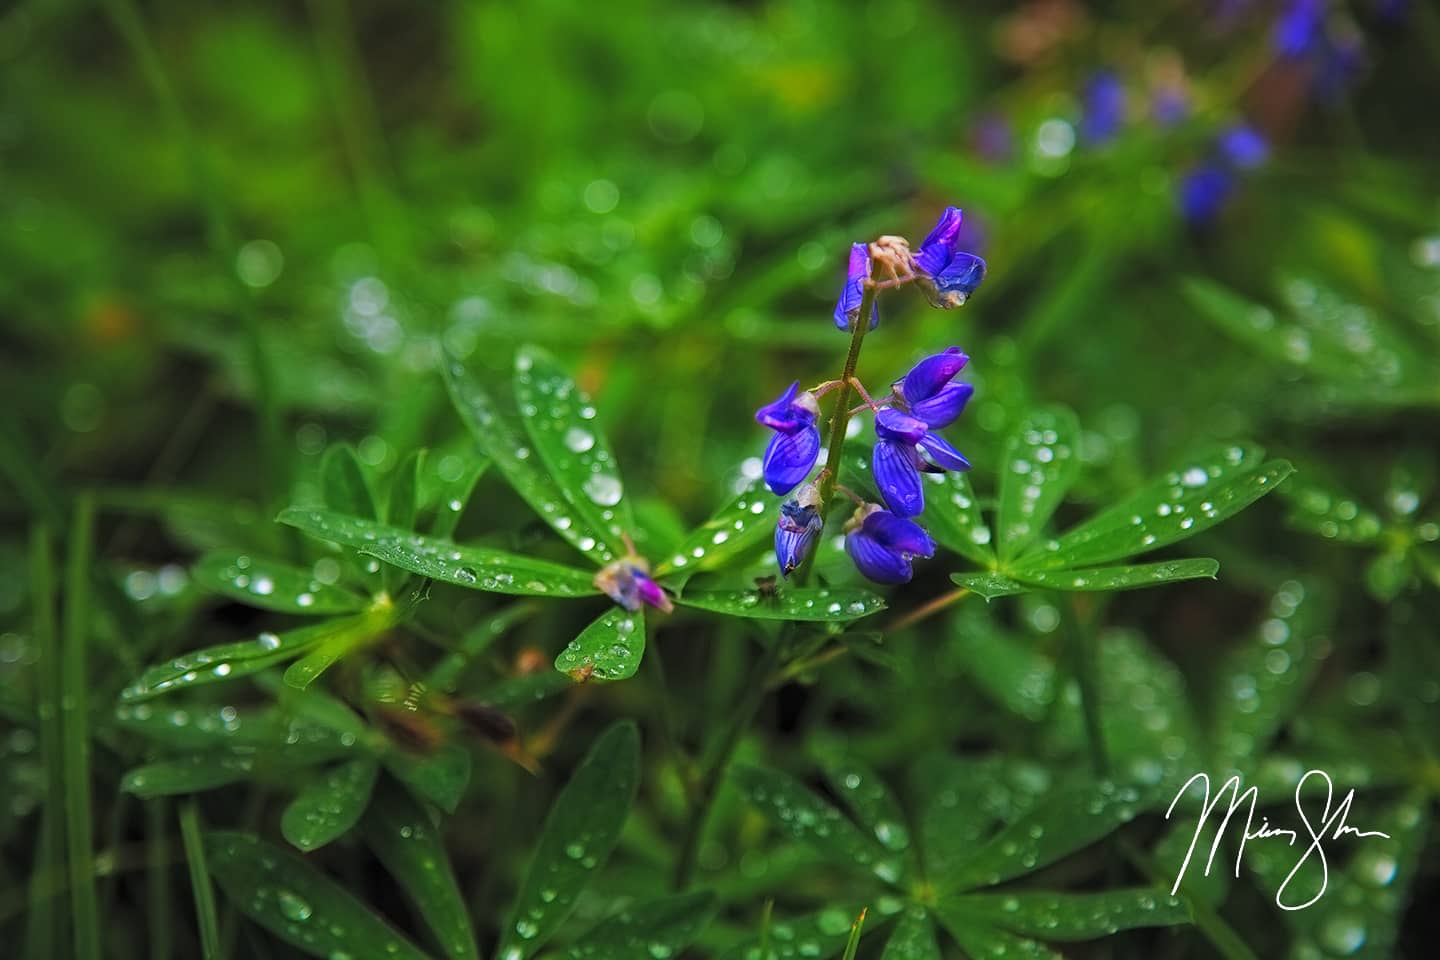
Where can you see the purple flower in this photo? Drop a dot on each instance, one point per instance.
(798, 529)
(1204, 192)
(882, 544)
(929, 393)
(1300, 29)
(1104, 108)
(627, 582)
(1170, 106)
(898, 460)
(953, 274)
(848, 309)
(1243, 147)
(792, 451)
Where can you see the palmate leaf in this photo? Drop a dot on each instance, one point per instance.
(870, 800)
(560, 420)
(1208, 489)
(820, 604)
(298, 903)
(609, 649)
(744, 523)
(989, 585)
(804, 815)
(656, 928)
(981, 940)
(1072, 916)
(330, 806)
(1040, 462)
(579, 834)
(271, 585)
(411, 848)
(913, 938)
(966, 799)
(953, 518)
(187, 774)
(499, 441)
(479, 568)
(1004, 665)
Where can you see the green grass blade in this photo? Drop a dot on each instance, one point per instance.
(75, 728)
(44, 938)
(205, 918)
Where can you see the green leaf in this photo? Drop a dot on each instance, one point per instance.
(738, 527)
(817, 604)
(870, 800)
(966, 799)
(440, 777)
(499, 441)
(953, 518)
(913, 938)
(1040, 462)
(1331, 514)
(187, 775)
(231, 660)
(1075, 916)
(979, 940)
(1004, 665)
(655, 928)
(803, 815)
(412, 850)
(451, 499)
(1064, 821)
(817, 935)
(330, 806)
(299, 904)
(989, 585)
(1207, 490)
(404, 500)
(344, 485)
(580, 832)
(271, 585)
(560, 420)
(609, 649)
(479, 568)
(1120, 578)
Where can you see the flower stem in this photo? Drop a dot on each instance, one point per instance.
(840, 418)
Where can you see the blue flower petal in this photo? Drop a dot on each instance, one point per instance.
(898, 534)
(958, 280)
(930, 375)
(945, 407)
(942, 454)
(847, 310)
(897, 476)
(891, 424)
(789, 458)
(875, 561)
(939, 247)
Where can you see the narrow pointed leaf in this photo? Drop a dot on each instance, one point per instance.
(330, 806)
(1120, 578)
(818, 604)
(272, 585)
(579, 834)
(560, 420)
(818, 935)
(404, 501)
(1040, 462)
(989, 585)
(413, 852)
(452, 498)
(1201, 493)
(609, 649)
(656, 928)
(187, 774)
(344, 485)
(1004, 665)
(1076, 916)
(479, 568)
(953, 518)
(298, 903)
(440, 777)
(978, 939)
(913, 938)
(967, 799)
(870, 800)
(509, 451)
(737, 528)
(803, 815)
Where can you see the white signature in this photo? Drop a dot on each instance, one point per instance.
(1331, 826)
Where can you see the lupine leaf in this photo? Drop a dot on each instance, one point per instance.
(344, 485)
(1208, 489)
(870, 800)
(913, 938)
(299, 904)
(979, 940)
(1040, 461)
(1120, 578)
(508, 451)
(187, 774)
(742, 524)
(804, 815)
(404, 500)
(231, 660)
(610, 648)
(580, 832)
(655, 928)
(440, 777)
(451, 498)
(953, 518)
(1063, 822)
(479, 568)
(560, 420)
(966, 799)
(820, 604)
(203, 726)
(410, 846)
(1006, 667)
(328, 807)
(1075, 916)
(989, 585)
(1331, 514)
(818, 935)
(271, 585)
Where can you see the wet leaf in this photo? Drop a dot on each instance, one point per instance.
(580, 832)
(328, 807)
(819, 604)
(187, 774)
(989, 585)
(953, 518)
(654, 928)
(1120, 578)
(440, 777)
(610, 648)
(817, 935)
(1075, 916)
(870, 800)
(299, 904)
(479, 568)
(404, 500)
(344, 485)
(413, 851)
(1331, 514)
(1004, 665)
(913, 938)
(966, 800)
(738, 527)
(980, 940)
(272, 585)
(1040, 462)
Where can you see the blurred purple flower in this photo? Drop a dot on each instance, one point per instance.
(1104, 108)
(883, 545)
(627, 582)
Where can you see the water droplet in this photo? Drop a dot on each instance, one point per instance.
(604, 489)
(293, 907)
(578, 439)
(465, 575)
(263, 586)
